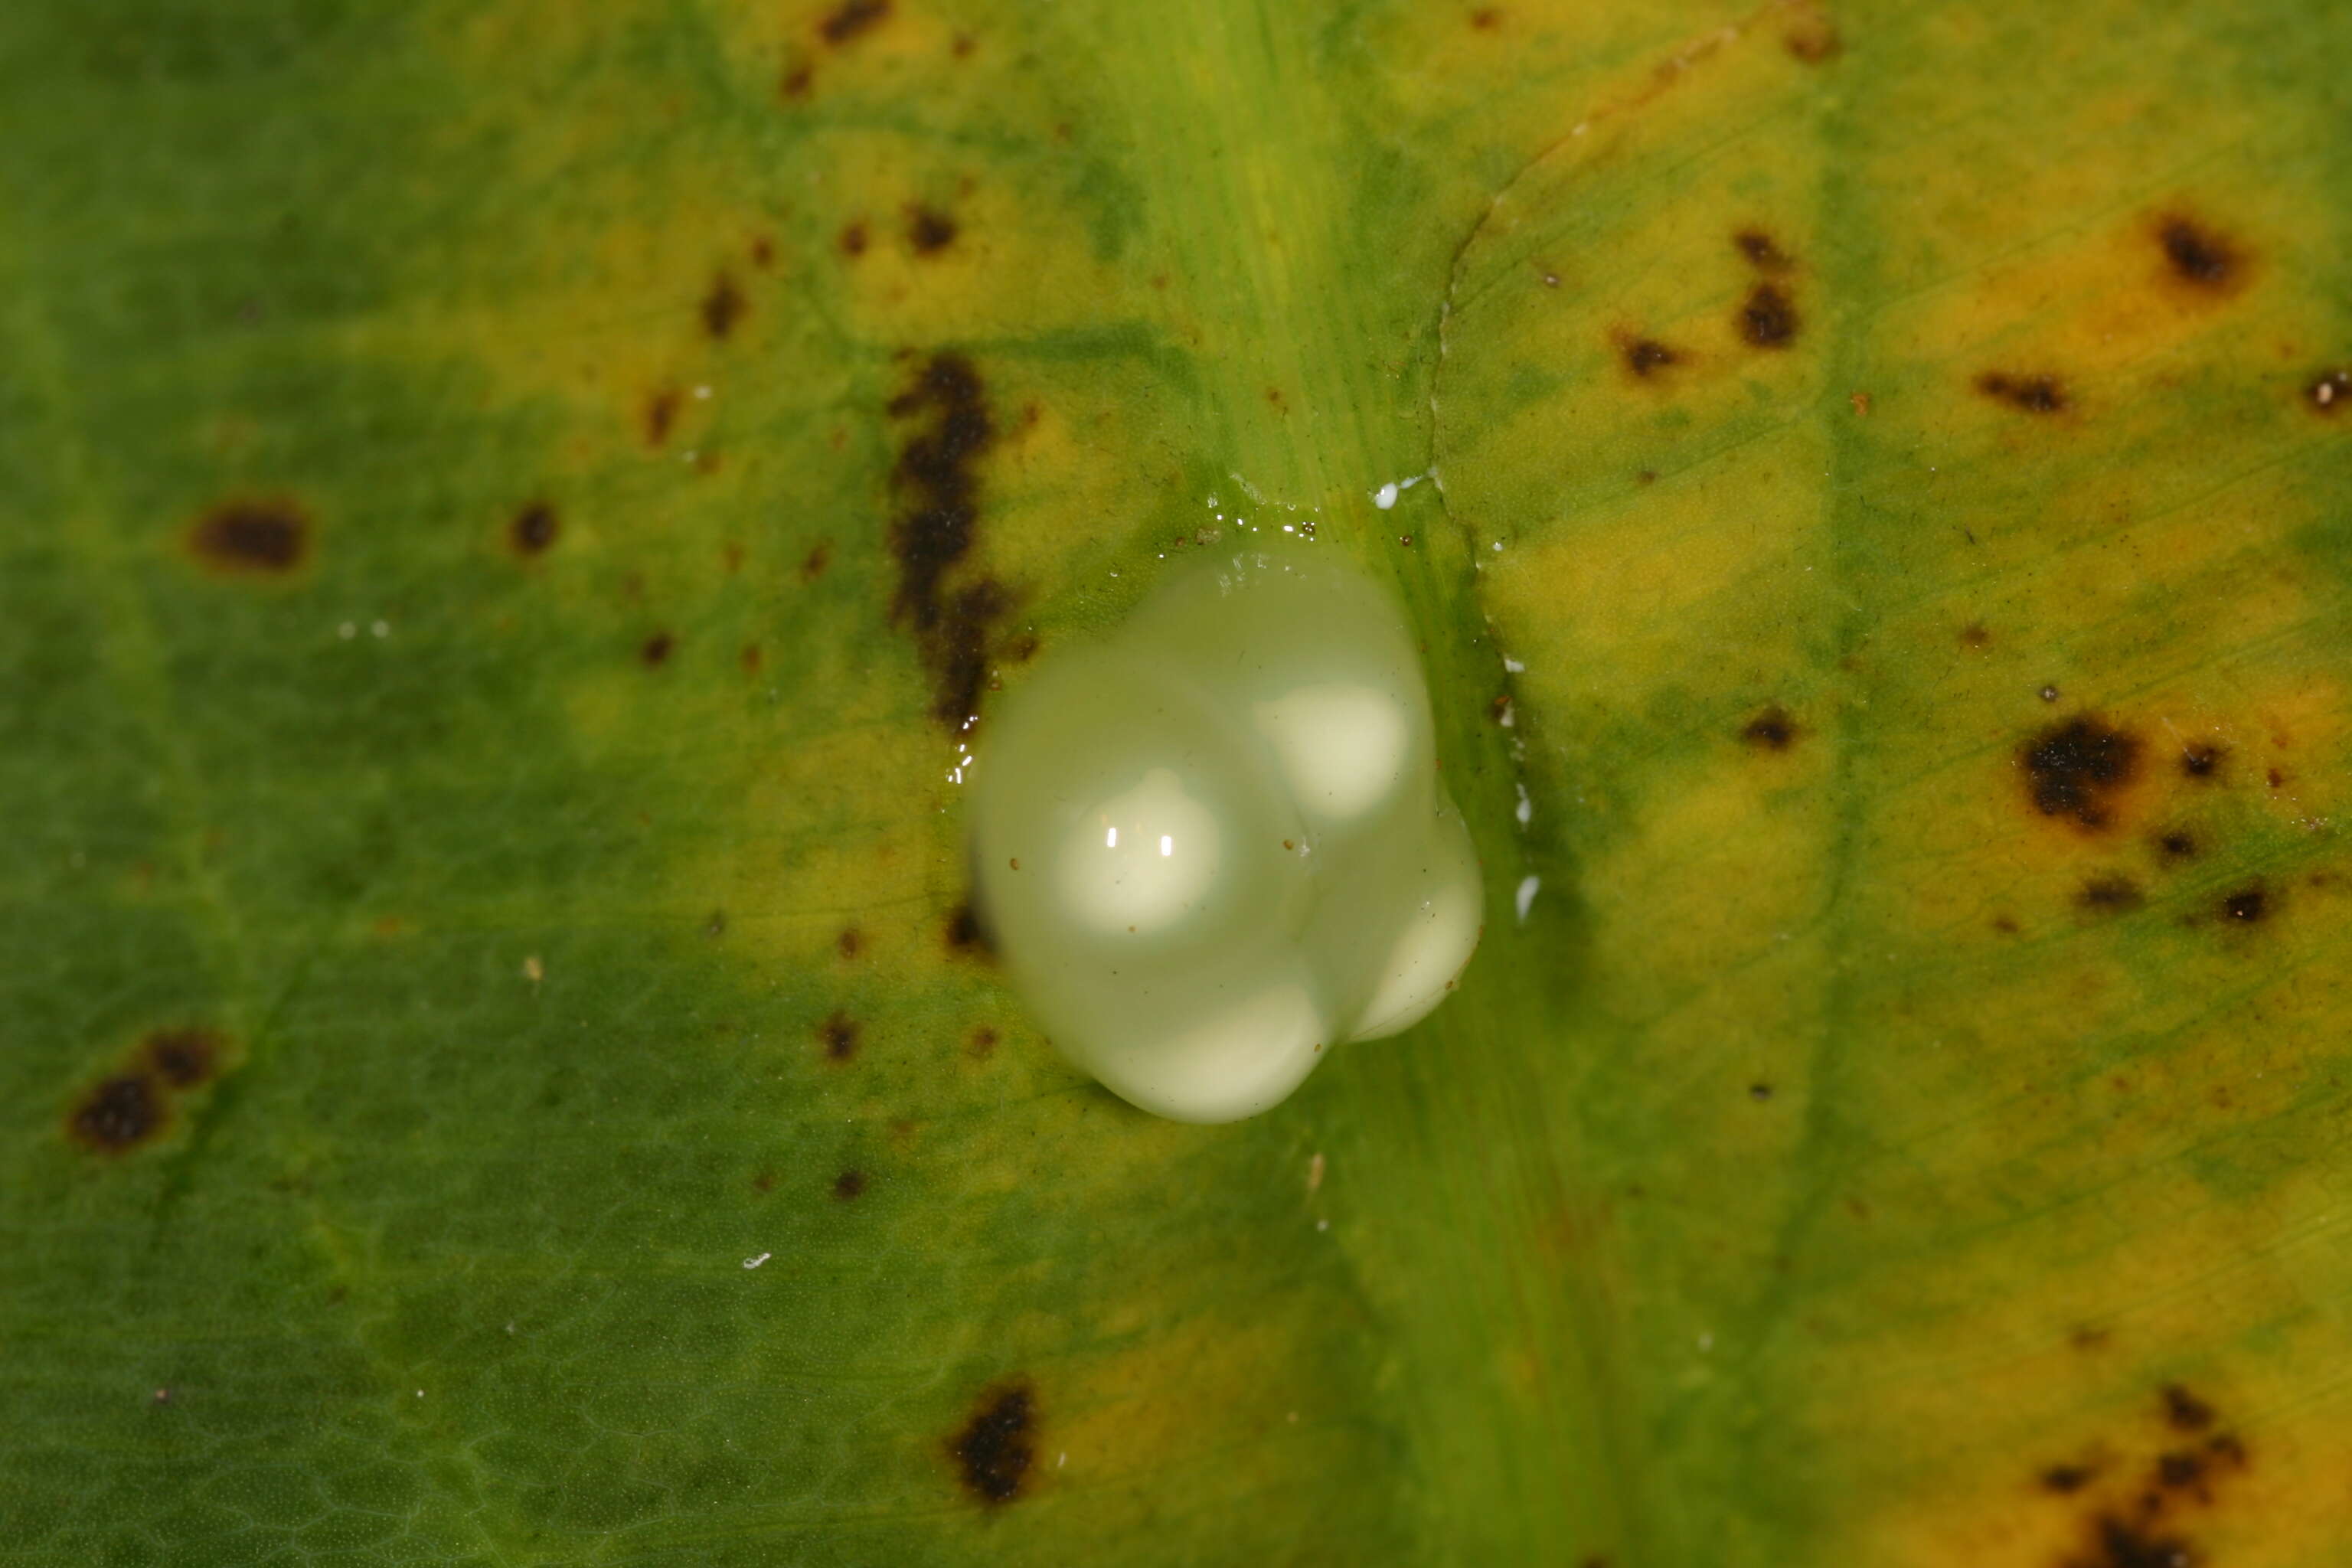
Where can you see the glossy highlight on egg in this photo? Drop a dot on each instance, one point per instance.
(1215, 846)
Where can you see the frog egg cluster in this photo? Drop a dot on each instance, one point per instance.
(1215, 846)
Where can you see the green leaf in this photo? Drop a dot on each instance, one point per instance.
(494, 1065)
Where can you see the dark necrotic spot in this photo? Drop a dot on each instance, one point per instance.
(2120, 1544)
(750, 658)
(722, 306)
(2330, 391)
(814, 564)
(981, 1043)
(1760, 250)
(656, 649)
(2201, 760)
(795, 82)
(716, 926)
(929, 230)
(2183, 1411)
(2196, 254)
(850, 1185)
(995, 1445)
(1773, 730)
(937, 486)
(261, 538)
(2179, 1471)
(852, 17)
(2227, 1450)
(852, 240)
(661, 413)
(534, 528)
(2032, 394)
(2177, 845)
(1485, 18)
(2063, 1479)
(183, 1058)
(839, 1034)
(849, 944)
(2110, 894)
(120, 1113)
(2246, 906)
(1647, 356)
(1768, 319)
(2075, 769)
(1759, 1091)
(1974, 634)
(966, 934)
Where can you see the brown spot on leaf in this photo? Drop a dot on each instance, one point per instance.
(929, 230)
(1486, 19)
(2030, 393)
(2183, 1411)
(656, 649)
(2330, 391)
(1974, 634)
(839, 1034)
(1760, 1091)
(814, 564)
(849, 1185)
(2177, 845)
(1761, 251)
(1769, 318)
(660, 415)
(534, 529)
(2120, 1544)
(2075, 769)
(183, 1058)
(851, 19)
(939, 492)
(1773, 730)
(2197, 255)
(763, 252)
(849, 944)
(2110, 894)
(722, 306)
(852, 240)
(716, 926)
(2201, 760)
(2065, 1478)
(252, 538)
(751, 657)
(981, 1043)
(993, 1449)
(120, 1113)
(2179, 1470)
(1813, 42)
(2247, 905)
(1644, 357)
(795, 82)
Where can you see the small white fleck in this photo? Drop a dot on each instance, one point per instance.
(1385, 497)
(1513, 664)
(510, 1326)
(1526, 812)
(1314, 1173)
(1510, 718)
(1167, 845)
(1322, 1224)
(1497, 547)
(1063, 1460)
(755, 1262)
(1706, 1342)
(347, 631)
(379, 628)
(1579, 128)
(1526, 895)
(1110, 838)
(533, 970)
(420, 1394)
(702, 393)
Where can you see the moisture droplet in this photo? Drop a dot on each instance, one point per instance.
(1167, 946)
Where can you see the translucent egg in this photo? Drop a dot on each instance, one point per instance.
(1214, 846)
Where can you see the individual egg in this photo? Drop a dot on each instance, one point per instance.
(1214, 846)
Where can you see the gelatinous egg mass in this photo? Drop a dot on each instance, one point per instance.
(1215, 846)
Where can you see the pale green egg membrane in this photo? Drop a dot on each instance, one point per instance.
(1215, 845)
